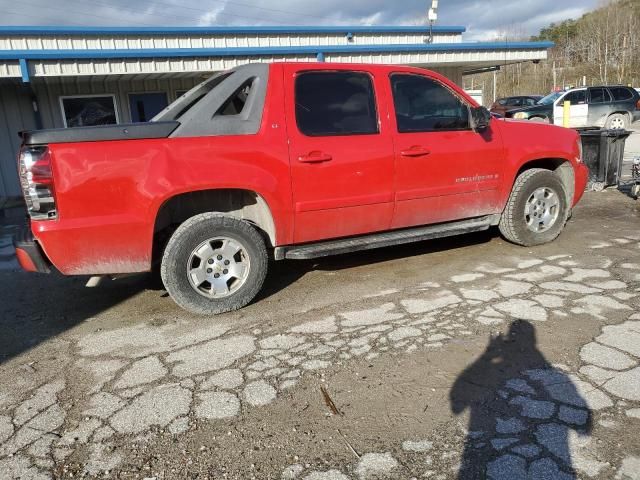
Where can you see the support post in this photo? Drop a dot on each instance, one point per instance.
(566, 115)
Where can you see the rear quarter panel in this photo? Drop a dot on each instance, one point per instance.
(108, 193)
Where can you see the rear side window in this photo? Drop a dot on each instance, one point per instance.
(425, 105)
(503, 101)
(576, 98)
(621, 93)
(599, 95)
(235, 104)
(335, 103)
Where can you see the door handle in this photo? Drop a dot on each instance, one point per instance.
(315, 157)
(415, 151)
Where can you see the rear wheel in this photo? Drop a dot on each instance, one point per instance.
(617, 121)
(214, 264)
(537, 208)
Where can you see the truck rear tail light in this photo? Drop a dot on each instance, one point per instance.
(638, 105)
(36, 178)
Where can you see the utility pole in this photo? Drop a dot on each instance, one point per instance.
(555, 76)
(432, 16)
(495, 85)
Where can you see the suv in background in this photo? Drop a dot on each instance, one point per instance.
(503, 105)
(610, 107)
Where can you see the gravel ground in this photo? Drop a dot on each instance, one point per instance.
(462, 358)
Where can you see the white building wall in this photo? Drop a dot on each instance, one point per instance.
(16, 114)
(49, 94)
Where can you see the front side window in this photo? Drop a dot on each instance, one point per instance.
(425, 105)
(335, 103)
(89, 111)
(576, 97)
(599, 95)
(529, 102)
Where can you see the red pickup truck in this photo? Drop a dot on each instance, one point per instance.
(288, 161)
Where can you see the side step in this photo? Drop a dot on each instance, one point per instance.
(378, 240)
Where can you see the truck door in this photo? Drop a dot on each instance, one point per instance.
(444, 170)
(579, 110)
(341, 159)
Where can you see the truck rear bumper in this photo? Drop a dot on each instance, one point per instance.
(30, 256)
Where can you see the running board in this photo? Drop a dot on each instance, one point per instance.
(379, 240)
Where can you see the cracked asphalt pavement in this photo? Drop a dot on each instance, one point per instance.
(462, 358)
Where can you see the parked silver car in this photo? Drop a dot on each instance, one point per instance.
(611, 107)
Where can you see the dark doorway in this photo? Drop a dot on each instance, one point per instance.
(145, 106)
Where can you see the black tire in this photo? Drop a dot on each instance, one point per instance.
(618, 121)
(187, 237)
(512, 223)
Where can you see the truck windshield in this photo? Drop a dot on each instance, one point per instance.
(183, 104)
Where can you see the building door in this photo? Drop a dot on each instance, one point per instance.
(341, 160)
(444, 169)
(145, 106)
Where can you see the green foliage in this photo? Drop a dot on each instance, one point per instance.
(559, 33)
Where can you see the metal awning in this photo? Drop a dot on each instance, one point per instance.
(26, 64)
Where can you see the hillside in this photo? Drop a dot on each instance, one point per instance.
(603, 46)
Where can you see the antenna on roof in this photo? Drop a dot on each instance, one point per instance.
(432, 16)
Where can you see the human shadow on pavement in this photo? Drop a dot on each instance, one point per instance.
(522, 412)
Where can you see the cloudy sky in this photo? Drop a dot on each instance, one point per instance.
(484, 19)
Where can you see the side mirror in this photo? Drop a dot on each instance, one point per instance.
(480, 118)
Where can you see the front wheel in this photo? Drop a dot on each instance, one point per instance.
(537, 210)
(214, 264)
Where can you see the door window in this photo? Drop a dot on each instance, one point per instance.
(529, 102)
(577, 97)
(335, 103)
(425, 105)
(599, 95)
(621, 93)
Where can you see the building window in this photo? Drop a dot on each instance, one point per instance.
(335, 103)
(180, 93)
(89, 110)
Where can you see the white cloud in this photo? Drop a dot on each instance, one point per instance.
(210, 18)
(483, 19)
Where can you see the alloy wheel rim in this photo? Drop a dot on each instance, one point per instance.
(542, 209)
(218, 267)
(617, 124)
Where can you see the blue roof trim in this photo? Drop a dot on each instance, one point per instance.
(54, 30)
(256, 51)
(24, 70)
